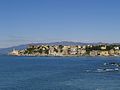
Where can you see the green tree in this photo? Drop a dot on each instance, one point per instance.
(46, 51)
(61, 48)
(40, 50)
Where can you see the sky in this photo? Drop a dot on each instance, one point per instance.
(36, 21)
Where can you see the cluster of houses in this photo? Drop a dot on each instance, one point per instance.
(104, 51)
(61, 50)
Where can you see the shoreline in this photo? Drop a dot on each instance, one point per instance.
(58, 56)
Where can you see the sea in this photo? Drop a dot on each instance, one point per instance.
(59, 73)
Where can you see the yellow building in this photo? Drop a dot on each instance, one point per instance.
(117, 52)
(112, 52)
(93, 53)
(104, 53)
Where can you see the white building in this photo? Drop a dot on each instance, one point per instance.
(116, 48)
(103, 47)
(14, 52)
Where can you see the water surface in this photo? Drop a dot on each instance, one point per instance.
(57, 73)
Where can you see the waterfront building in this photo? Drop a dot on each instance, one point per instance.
(73, 50)
(111, 52)
(66, 50)
(81, 52)
(104, 53)
(93, 53)
(117, 52)
(14, 52)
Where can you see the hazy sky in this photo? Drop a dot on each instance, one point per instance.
(28, 21)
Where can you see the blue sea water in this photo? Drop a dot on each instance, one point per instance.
(57, 73)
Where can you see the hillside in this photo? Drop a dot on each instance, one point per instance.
(7, 50)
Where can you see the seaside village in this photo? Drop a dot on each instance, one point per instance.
(61, 50)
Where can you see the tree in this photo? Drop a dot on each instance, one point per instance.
(55, 50)
(46, 51)
(61, 48)
(40, 50)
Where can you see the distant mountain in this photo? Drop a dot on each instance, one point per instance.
(67, 43)
(7, 50)
(20, 47)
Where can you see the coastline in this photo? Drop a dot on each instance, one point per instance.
(58, 56)
(68, 51)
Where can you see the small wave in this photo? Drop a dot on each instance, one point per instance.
(108, 70)
(88, 70)
(104, 70)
